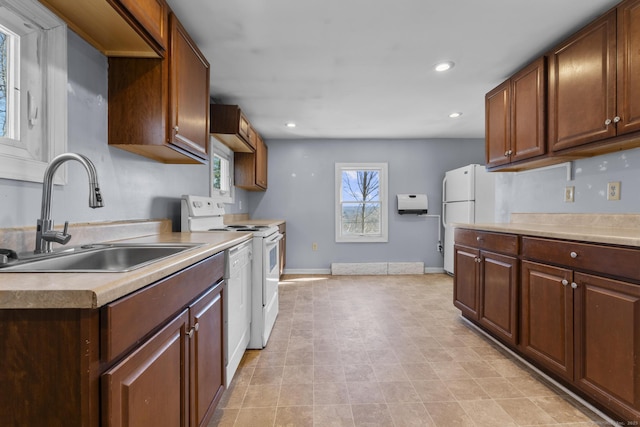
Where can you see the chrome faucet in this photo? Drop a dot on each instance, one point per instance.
(45, 234)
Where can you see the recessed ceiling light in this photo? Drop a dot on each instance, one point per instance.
(455, 115)
(444, 66)
(290, 125)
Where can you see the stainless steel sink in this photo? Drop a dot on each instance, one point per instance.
(98, 258)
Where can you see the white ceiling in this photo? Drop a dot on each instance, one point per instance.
(364, 68)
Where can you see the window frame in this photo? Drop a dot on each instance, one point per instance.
(216, 148)
(17, 162)
(381, 237)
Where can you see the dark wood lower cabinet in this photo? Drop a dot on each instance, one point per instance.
(547, 317)
(572, 309)
(206, 356)
(466, 280)
(176, 377)
(151, 358)
(148, 387)
(485, 285)
(499, 295)
(607, 342)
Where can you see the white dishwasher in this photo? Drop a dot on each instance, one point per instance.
(237, 310)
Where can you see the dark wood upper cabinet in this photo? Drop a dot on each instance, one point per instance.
(230, 126)
(250, 169)
(188, 93)
(629, 67)
(516, 117)
(582, 86)
(586, 103)
(498, 124)
(159, 108)
(133, 28)
(594, 81)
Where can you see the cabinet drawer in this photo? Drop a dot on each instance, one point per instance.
(609, 260)
(128, 320)
(496, 242)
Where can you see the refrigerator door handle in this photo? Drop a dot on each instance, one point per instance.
(444, 189)
(444, 215)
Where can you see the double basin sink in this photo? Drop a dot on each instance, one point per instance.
(97, 258)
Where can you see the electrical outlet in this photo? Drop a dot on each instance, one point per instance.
(314, 246)
(569, 194)
(613, 190)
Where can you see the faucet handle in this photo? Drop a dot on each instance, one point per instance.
(57, 236)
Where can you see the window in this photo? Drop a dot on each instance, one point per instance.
(221, 172)
(33, 90)
(361, 202)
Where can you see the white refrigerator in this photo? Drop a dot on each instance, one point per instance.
(468, 196)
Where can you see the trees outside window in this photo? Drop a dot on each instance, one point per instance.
(361, 202)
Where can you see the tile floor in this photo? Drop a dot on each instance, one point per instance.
(385, 351)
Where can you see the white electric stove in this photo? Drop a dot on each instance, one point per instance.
(204, 214)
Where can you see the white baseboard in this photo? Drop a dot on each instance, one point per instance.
(325, 271)
(300, 271)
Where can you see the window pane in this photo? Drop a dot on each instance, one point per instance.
(217, 172)
(360, 185)
(361, 218)
(361, 202)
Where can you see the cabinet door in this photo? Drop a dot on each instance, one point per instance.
(188, 93)
(151, 14)
(582, 86)
(250, 169)
(499, 295)
(497, 126)
(608, 342)
(547, 317)
(528, 111)
(466, 267)
(628, 66)
(131, 389)
(261, 163)
(207, 362)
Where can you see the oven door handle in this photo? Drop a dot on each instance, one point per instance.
(275, 239)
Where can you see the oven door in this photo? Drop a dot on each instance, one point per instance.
(271, 265)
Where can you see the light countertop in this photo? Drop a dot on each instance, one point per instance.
(621, 229)
(92, 290)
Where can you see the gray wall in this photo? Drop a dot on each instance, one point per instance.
(301, 191)
(543, 190)
(133, 186)
(301, 175)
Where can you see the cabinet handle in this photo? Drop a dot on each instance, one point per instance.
(176, 128)
(478, 239)
(616, 119)
(573, 255)
(476, 259)
(196, 327)
(190, 333)
(574, 285)
(506, 153)
(565, 282)
(607, 122)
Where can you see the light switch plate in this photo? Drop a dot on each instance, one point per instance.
(569, 192)
(613, 190)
